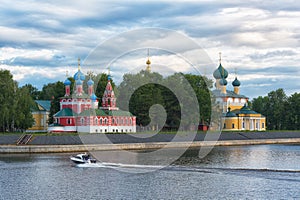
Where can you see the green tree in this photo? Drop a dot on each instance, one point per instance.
(53, 92)
(259, 104)
(201, 86)
(33, 91)
(100, 82)
(275, 109)
(292, 112)
(173, 93)
(8, 90)
(24, 103)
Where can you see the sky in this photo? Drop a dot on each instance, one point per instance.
(259, 40)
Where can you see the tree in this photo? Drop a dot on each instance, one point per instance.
(53, 91)
(292, 114)
(174, 93)
(33, 91)
(24, 103)
(275, 111)
(8, 89)
(100, 83)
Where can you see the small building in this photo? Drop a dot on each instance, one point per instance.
(40, 112)
(236, 113)
(79, 112)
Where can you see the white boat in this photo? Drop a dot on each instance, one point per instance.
(82, 158)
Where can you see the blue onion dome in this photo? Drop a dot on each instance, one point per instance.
(108, 77)
(79, 75)
(78, 82)
(221, 72)
(223, 81)
(90, 82)
(93, 97)
(236, 82)
(67, 82)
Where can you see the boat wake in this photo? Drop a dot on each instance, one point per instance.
(184, 168)
(118, 166)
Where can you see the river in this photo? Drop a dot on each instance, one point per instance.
(236, 172)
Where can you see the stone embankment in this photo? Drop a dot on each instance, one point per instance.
(139, 141)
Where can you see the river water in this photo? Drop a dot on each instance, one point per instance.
(240, 172)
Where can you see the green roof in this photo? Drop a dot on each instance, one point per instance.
(246, 110)
(119, 113)
(44, 103)
(75, 96)
(66, 112)
(41, 105)
(230, 114)
(102, 112)
(229, 93)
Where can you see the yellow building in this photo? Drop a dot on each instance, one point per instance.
(237, 115)
(40, 113)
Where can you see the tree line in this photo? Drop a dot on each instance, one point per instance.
(141, 94)
(282, 112)
(15, 105)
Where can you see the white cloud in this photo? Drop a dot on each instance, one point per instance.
(259, 39)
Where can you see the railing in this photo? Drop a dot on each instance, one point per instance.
(24, 139)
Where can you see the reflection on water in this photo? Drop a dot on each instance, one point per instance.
(253, 172)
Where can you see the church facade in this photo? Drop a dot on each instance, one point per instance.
(80, 112)
(237, 116)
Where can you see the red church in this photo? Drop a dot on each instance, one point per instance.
(80, 112)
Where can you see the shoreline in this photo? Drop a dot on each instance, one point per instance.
(12, 149)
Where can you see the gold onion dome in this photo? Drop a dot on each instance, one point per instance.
(148, 62)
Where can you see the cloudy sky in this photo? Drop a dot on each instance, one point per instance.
(259, 40)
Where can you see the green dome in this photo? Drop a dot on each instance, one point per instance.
(221, 72)
(223, 81)
(231, 114)
(236, 82)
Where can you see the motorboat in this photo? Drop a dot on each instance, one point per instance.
(82, 158)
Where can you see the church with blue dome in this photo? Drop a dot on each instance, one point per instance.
(237, 116)
(80, 111)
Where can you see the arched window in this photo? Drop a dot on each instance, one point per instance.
(96, 121)
(82, 121)
(105, 122)
(130, 121)
(100, 121)
(126, 121)
(113, 121)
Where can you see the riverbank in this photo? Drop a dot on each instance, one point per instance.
(138, 146)
(141, 141)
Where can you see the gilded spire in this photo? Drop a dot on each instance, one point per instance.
(220, 57)
(78, 63)
(67, 73)
(148, 62)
